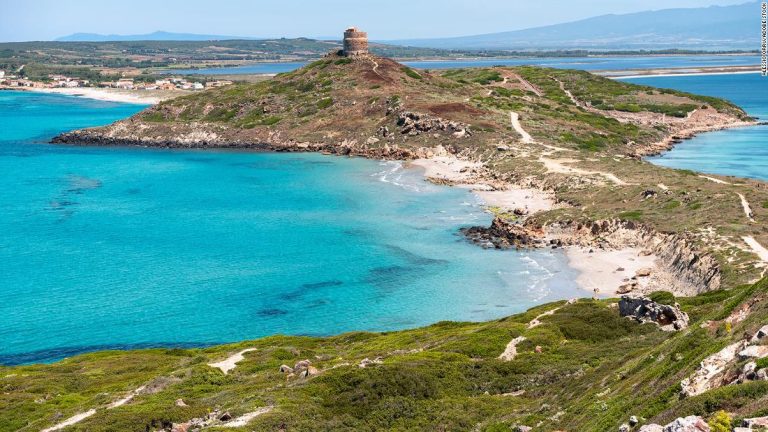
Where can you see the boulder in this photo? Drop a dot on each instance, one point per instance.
(180, 403)
(225, 417)
(624, 428)
(651, 428)
(761, 334)
(754, 351)
(633, 421)
(643, 309)
(368, 362)
(286, 369)
(644, 272)
(688, 424)
(756, 422)
(301, 365)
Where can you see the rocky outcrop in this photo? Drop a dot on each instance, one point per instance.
(694, 272)
(683, 424)
(712, 372)
(503, 234)
(412, 123)
(644, 310)
(722, 368)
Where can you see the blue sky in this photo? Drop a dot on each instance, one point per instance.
(22, 20)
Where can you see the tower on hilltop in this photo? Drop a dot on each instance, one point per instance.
(355, 42)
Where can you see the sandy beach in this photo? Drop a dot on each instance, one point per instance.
(607, 270)
(604, 270)
(143, 97)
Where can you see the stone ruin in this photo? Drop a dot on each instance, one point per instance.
(355, 42)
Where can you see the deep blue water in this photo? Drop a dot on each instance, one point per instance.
(585, 63)
(739, 152)
(128, 247)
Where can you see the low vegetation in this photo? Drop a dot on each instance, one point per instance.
(579, 370)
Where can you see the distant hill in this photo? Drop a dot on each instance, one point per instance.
(156, 36)
(709, 28)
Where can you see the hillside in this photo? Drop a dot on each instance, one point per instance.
(709, 28)
(579, 367)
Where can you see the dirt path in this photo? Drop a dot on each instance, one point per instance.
(515, 120)
(528, 86)
(747, 209)
(757, 248)
(510, 352)
(556, 166)
(125, 400)
(230, 362)
(77, 418)
(245, 418)
(715, 180)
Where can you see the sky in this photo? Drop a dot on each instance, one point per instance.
(25, 20)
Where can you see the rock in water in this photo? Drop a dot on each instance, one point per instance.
(643, 309)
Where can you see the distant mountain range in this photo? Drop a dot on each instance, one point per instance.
(156, 36)
(707, 28)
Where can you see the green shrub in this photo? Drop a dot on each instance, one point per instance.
(720, 422)
(324, 103)
(344, 61)
(762, 363)
(631, 215)
(411, 73)
(663, 297)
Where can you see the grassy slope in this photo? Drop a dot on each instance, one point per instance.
(595, 370)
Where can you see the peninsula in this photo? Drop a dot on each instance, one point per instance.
(557, 156)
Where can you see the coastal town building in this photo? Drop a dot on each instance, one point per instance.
(355, 42)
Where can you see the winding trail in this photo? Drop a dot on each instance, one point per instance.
(528, 86)
(556, 166)
(515, 120)
(230, 362)
(715, 180)
(510, 352)
(245, 418)
(747, 209)
(125, 400)
(77, 418)
(757, 248)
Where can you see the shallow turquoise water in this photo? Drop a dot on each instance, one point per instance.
(126, 247)
(739, 152)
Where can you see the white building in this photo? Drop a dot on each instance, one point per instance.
(2, 74)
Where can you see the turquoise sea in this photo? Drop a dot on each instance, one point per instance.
(739, 152)
(128, 247)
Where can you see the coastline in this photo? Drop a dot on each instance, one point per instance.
(137, 97)
(602, 271)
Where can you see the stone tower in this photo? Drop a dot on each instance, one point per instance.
(355, 42)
